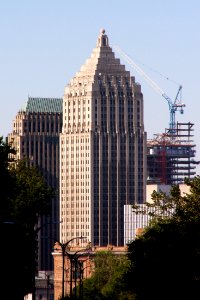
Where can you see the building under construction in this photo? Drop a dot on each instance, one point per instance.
(171, 155)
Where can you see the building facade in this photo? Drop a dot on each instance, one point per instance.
(77, 265)
(102, 149)
(35, 135)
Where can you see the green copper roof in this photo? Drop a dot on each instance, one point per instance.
(44, 105)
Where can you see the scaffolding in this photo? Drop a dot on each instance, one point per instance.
(171, 155)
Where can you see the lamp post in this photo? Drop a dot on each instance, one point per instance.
(36, 230)
(81, 264)
(63, 249)
(75, 262)
(48, 277)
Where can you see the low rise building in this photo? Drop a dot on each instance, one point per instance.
(74, 265)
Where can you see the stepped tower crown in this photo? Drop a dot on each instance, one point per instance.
(102, 40)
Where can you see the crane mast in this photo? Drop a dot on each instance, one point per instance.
(177, 105)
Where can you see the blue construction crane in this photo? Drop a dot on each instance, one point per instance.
(174, 106)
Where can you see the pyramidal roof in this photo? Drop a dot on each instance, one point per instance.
(102, 60)
(48, 105)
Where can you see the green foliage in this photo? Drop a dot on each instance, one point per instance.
(32, 200)
(32, 195)
(6, 180)
(108, 281)
(24, 197)
(165, 259)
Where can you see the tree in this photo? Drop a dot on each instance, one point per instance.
(165, 259)
(107, 281)
(32, 195)
(24, 193)
(6, 180)
(32, 200)
(24, 198)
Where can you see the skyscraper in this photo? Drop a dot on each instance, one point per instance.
(35, 135)
(102, 149)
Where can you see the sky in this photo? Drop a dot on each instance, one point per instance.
(44, 43)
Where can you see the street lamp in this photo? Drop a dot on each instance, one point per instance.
(74, 261)
(81, 264)
(36, 230)
(63, 248)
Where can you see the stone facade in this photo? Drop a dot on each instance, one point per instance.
(84, 257)
(103, 149)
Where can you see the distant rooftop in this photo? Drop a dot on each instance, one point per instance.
(43, 105)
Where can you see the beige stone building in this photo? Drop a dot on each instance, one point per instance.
(102, 149)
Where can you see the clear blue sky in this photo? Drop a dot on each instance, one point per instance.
(44, 43)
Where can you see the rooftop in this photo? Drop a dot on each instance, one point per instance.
(44, 105)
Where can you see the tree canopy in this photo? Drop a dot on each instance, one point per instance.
(32, 195)
(6, 180)
(107, 281)
(165, 259)
(24, 198)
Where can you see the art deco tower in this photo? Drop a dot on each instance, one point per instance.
(102, 149)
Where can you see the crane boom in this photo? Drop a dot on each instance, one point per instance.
(139, 70)
(173, 106)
